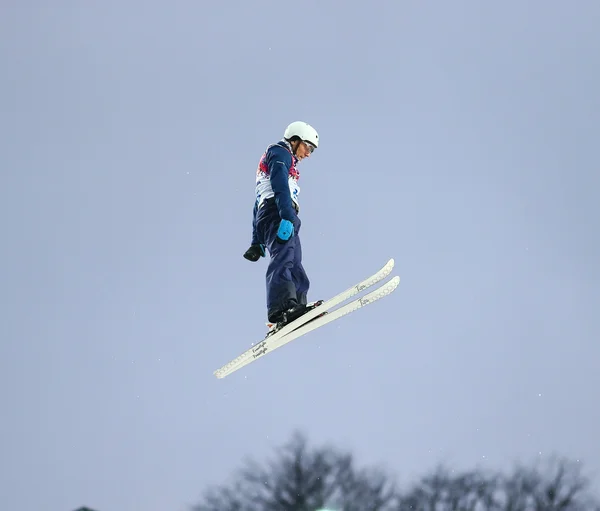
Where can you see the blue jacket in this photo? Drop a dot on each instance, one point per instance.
(279, 161)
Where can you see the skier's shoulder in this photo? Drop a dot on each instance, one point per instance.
(279, 152)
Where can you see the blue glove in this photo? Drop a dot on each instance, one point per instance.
(285, 231)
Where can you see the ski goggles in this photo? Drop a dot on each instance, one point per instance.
(309, 146)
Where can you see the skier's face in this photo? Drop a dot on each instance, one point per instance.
(303, 150)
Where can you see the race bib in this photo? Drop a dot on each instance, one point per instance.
(294, 189)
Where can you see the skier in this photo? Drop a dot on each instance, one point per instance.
(276, 225)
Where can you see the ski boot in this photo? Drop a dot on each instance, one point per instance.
(293, 314)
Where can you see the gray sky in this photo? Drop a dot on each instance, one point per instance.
(458, 138)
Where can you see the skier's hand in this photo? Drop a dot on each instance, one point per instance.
(285, 231)
(255, 252)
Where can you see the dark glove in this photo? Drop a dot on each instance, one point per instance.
(255, 252)
(285, 231)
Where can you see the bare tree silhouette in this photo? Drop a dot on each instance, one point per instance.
(443, 490)
(557, 486)
(303, 479)
(311, 479)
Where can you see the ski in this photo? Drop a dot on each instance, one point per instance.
(316, 317)
(267, 345)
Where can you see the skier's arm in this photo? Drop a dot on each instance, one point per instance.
(279, 161)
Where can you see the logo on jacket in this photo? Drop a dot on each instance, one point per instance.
(263, 169)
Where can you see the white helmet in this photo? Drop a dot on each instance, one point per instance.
(303, 130)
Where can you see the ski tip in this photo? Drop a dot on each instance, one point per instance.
(388, 267)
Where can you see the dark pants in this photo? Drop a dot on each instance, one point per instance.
(287, 283)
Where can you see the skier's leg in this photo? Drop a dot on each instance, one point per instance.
(281, 289)
(298, 274)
